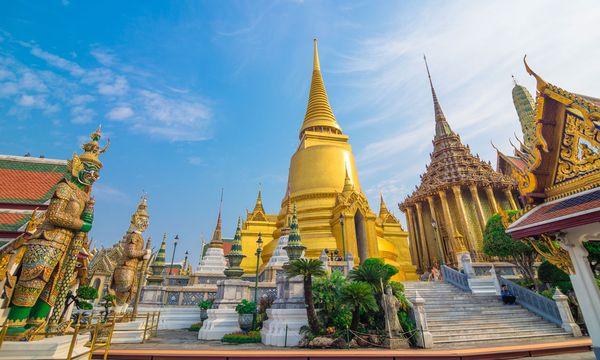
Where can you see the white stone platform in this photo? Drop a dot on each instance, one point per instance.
(219, 322)
(50, 348)
(274, 330)
(174, 317)
(131, 332)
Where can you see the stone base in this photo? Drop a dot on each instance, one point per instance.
(219, 323)
(274, 329)
(174, 317)
(396, 343)
(131, 332)
(51, 348)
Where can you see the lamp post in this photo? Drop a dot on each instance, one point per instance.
(258, 252)
(175, 240)
(438, 241)
(346, 268)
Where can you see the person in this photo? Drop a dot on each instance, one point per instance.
(435, 273)
(507, 297)
(426, 275)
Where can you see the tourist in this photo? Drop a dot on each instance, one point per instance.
(435, 273)
(507, 297)
(426, 275)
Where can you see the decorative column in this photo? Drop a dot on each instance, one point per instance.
(424, 338)
(414, 248)
(427, 256)
(448, 222)
(478, 208)
(462, 211)
(492, 199)
(437, 234)
(511, 199)
(583, 280)
(568, 323)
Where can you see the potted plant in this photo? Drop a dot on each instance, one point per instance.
(204, 305)
(246, 310)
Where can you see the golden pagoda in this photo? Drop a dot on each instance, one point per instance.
(323, 184)
(447, 213)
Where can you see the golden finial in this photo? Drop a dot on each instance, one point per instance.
(316, 64)
(541, 84)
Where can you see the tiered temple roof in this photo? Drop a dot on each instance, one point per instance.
(452, 163)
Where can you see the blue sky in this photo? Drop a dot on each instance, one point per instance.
(196, 96)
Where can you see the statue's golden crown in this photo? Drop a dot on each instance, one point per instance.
(91, 153)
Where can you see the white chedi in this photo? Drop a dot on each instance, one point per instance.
(213, 262)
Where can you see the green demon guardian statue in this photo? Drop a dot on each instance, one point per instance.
(69, 217)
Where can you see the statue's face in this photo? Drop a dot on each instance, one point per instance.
(89, 174)
(141, 223)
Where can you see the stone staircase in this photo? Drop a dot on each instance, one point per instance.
(460, 319)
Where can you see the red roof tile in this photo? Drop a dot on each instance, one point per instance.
(12, 221)
(29, 181)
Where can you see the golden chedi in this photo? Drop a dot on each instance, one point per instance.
(323, 184)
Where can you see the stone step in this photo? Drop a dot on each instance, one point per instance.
(496, 328)
(501, 337)
(478, 313)
(472, 319)
(463, 325)
(473, 308)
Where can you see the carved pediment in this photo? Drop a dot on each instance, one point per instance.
(579, 149)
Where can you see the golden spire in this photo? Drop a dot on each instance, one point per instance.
(347, 183)
(319, 116)
(442, 127)
(383, 210)
(217, 238)
(258, 207)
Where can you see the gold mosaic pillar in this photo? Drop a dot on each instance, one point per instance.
(491, 198)
(449, 222)
(437, 233)
(478, 207)
(469, 236)
(413, 239)
(511, 199)
(427, 255)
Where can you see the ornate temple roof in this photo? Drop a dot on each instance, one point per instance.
(29, 180)
(452, 162)
(13, 221)
(385, 214)
(319, 116)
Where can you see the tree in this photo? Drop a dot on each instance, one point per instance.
(550, 274)
(358, 296)
(593, 249)
(307, 268)
(374, 272)
(496, 242)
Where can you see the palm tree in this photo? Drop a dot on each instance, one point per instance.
(307, 268)
(374, 272)
(358, 296)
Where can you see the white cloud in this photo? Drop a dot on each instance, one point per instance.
(81, 114)
(118, 87)
(120, 113)
(114, 89)
(109, 193)
(58, 62)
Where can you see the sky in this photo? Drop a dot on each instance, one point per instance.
(202, 95)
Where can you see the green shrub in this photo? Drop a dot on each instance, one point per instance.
(242, 338)
(87, 293)
(554, 276)
(195, 326)
(246, 307)
(205, 304)
(84, 305)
